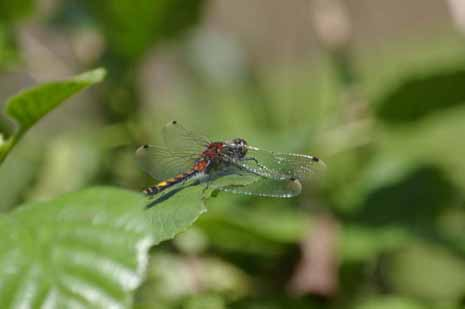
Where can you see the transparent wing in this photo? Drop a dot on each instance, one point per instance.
(180, 140)
(162, 163)
(235, 179)
(267, 187)
(182, 148)
(280, 166)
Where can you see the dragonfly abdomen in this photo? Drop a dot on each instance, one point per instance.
(165, 184)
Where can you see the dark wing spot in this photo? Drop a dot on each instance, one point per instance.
(145, 146)
(174, 122)
(315, 159)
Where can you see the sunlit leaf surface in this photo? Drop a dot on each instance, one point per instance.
(85, 249)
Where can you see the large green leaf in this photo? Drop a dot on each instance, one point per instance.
(85, 249)
(30, 105)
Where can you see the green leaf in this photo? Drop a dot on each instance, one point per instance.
(205, 301)
(130, 29)
(427, 272)
(215, 274)
(277, 300)
(392, 204)
(14, 11)
(85, 249)
(435, 139)
(388, 302)
(9, 53)
(265, 229)
(16, 178)
(30, 105)
(418, 96)
(360, 243)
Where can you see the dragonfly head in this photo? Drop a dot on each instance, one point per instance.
(237, 148)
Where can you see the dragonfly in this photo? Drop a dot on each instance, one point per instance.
(231, 165)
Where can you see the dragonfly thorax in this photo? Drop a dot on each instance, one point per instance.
(237, 148)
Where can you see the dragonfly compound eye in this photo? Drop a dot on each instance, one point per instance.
(239, 142)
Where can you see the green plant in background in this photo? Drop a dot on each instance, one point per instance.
(394, 187)
(11, 14)
(130, 31)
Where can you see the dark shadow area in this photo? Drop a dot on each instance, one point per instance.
(415, 201)
(419, 96)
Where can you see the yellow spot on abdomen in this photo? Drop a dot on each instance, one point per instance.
(162, 184)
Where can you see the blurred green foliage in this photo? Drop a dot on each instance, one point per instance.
(132, 28)
(419, 96)
(13, 12)
(391, 137)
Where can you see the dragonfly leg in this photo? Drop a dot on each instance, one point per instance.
(205, 189)
(250, 159)
(256, 162)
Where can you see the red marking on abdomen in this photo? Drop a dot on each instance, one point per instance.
(201, 165)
